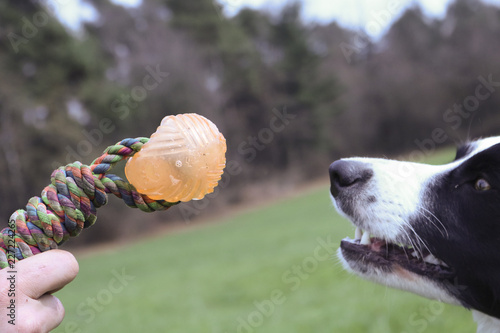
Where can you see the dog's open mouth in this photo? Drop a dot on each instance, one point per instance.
(372, 251)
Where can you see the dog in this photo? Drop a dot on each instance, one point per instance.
(431, 230)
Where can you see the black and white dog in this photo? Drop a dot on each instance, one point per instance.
(430, 230)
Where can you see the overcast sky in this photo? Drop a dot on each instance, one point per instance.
(364, 14)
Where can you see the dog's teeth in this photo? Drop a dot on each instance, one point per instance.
(358, 234)
(365, 239)
(432, 260)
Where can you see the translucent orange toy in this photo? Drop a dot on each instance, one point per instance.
(183, 160)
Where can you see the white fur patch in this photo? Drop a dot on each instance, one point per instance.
(486, 324)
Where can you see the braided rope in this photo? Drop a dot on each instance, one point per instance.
(68, 205)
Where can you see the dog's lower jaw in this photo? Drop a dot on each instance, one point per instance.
(399, 278)
(485, 323)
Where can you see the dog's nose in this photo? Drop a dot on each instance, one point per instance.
(348, 174)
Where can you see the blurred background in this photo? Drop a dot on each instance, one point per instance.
(363, 78)
(293, 85)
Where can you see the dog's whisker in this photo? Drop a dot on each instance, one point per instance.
(419, 239)
(423, 212)
(415, 245)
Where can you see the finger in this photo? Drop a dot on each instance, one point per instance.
(52, 312)
(46, 272)
(41, 315)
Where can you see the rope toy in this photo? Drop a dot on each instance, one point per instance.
(183, 160)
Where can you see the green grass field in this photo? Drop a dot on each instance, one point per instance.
(269, 270)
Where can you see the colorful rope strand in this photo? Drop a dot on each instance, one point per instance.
(68, 204)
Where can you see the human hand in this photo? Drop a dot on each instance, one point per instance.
(26, 300)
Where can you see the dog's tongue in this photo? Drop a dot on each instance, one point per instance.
(377, 244)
